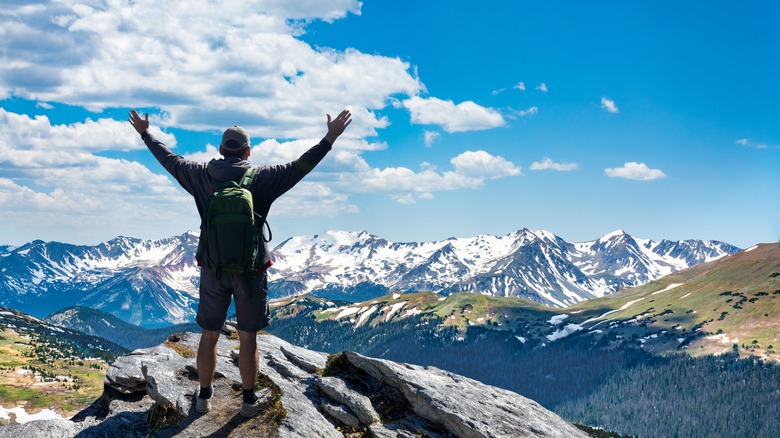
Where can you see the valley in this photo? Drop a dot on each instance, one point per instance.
(36, 377)
(46, 370)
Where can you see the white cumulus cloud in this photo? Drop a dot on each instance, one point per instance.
(521, 86)
(542, 87)
(205, 64)
(469, 171)
(52, 175)
(465, 116)
(635, 171)
(483, 165)
(201, 65)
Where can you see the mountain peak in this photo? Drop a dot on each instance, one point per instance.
(616, 233)
(545, 235)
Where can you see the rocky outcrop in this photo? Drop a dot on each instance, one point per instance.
(149, 393)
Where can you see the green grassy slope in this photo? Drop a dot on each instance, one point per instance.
(733, 300)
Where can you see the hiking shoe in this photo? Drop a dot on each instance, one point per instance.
(249, 410)
(202, 405)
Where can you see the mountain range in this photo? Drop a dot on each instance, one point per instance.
(535, 265)
(727, 305)
(153, 283)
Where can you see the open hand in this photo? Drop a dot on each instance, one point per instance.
(337, 126)
(140, 125)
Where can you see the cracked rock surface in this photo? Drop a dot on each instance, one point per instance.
(351, 393)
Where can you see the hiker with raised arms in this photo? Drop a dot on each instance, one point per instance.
(233, 200)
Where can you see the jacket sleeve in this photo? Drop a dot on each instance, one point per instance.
(273, 181)
(187, 173)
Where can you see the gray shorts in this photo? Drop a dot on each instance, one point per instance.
(250, 292)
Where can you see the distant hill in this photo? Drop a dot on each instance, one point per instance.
(708, 308)
(71, 343)
(130, 336)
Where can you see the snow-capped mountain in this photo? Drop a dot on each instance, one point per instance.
(537, 265)
(146, 282)
(154, 282)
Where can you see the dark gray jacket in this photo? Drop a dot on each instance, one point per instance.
(270, 182)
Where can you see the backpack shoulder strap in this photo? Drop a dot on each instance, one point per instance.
(249, 175)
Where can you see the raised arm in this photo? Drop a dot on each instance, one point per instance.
(337, 126)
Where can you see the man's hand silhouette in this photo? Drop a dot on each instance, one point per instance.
(140, 125)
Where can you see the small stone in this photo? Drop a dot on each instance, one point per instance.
(340, 413)
(358, 403)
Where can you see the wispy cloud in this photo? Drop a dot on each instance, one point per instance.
(542, 87)
(548, 163)
(521, 86)
(431, 137)
(529, 112)
(497, 92)
(609, 105)
(465, 116)
(635, 171)
(755, 145)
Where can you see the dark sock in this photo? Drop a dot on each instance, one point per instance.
(249, 396)
(205, 393)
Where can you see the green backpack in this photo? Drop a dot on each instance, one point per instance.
(234, 232)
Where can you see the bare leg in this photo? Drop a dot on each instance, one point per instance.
(207, 357)
(247, 358)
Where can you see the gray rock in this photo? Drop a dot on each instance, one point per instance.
(307, 360)
(168, 386)
(304, 418)
(379, 430)
(466, 407)
(42, 428)
(435, 403)
(125, 375)
(358, 403)
(340, 413)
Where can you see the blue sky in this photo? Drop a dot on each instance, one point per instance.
(580, 118)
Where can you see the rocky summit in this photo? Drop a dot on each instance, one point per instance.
(309, 394)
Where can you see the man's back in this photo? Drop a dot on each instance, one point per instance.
(249, 291)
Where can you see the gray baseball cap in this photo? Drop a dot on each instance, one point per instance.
(240, 139)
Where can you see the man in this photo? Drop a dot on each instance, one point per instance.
(250, 290)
